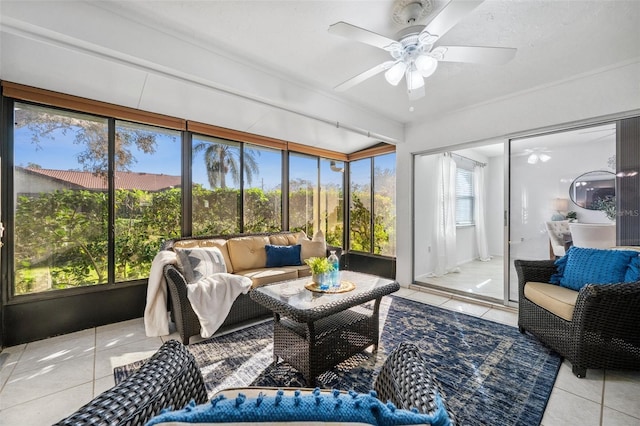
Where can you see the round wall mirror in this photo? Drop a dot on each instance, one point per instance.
(587, 189)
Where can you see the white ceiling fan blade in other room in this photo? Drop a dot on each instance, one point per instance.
(364, 76)
(360, 34)
(478, 55)
(450, 16)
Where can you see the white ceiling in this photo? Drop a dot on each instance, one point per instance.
(299, 62)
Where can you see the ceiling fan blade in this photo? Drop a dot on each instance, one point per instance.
(478, 55)
(360, 34)
(450, 15)
(363, 76)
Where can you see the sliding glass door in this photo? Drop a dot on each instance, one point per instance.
(458, 220)
(556, 178)
(554, 185)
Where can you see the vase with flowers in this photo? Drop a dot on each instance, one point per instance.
(321, 269)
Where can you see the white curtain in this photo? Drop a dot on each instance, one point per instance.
(478, 213)
(445, 220)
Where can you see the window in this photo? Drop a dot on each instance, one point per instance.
(303, 193)
(332, 201)
(384, 204)
(60, 216)
(63, 193)
(147, 196)
(464, 196)
(360, 205)
(373, 192)
(215, 175)
(316, 196)
(262, 193)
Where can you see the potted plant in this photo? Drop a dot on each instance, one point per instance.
(572, 216)
(320, 266)
(608, 206)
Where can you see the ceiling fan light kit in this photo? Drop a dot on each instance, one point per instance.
(414, 55)
(395, 73)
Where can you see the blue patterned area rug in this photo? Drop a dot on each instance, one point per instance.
(490, 373)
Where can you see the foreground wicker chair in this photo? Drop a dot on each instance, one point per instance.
(405, 379)
(170, 378)
(604, 331)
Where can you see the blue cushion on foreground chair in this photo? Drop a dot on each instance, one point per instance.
(633, 271)
(314, 407)
(283, 255)
(582, 266)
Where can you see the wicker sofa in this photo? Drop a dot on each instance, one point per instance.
(244, 254)
(595, 327)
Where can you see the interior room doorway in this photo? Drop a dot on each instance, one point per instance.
(555, 175)
(459, 221)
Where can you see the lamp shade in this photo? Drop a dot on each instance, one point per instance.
(560, 204)
(394, 74)
(426, 65)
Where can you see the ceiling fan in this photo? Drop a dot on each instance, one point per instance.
(415, 54)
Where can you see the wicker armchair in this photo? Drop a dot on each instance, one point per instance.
(170, 378)
(604, 331)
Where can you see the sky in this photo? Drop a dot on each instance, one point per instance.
(59, 152)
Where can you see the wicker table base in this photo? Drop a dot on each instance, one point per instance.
(314, 332)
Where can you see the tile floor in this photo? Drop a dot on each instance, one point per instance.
(44, 381)
(475, 277)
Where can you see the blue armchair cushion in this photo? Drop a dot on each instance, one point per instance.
(314, 407)
(582, 266)
(283, 255)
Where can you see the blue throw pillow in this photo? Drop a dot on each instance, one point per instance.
(633, 271)
(582, 266)
(283, 255)
(314, 407)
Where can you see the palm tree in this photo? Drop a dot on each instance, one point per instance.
(220, 159)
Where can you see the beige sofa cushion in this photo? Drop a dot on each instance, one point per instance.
(287, 239)
(248, 252)
(301, 270)
(263, 276)
(220, 243)
(317, 247)
(558, 300)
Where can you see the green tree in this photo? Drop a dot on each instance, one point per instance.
(360, 226)
(65, 232)
(221, 159)
(90, 132)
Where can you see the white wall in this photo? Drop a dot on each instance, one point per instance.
(424, 212)
(610, 91)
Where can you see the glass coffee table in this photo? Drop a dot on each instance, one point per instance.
(313, 330)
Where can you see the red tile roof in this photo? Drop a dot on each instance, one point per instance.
(124, 180)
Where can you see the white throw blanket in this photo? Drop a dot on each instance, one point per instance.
(211, 298)
(156, 316)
